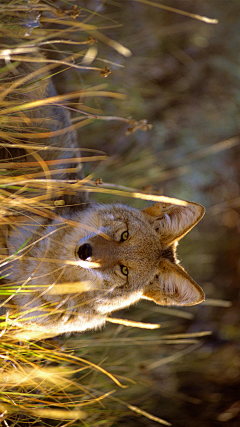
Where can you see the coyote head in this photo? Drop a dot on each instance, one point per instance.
(133, 255)
(100, 259)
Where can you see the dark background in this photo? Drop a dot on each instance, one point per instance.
(184, 78)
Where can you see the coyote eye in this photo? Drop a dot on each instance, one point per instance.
(124, 270)
(124, 236)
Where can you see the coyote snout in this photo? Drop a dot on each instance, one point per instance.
(68, 273)
(130, 254)
(125, 253)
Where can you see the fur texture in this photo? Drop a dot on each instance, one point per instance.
(74, 276)
(98, 258)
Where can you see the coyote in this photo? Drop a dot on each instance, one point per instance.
(99, 258)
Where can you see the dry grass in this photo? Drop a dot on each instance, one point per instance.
(40, 381)
(90, 380)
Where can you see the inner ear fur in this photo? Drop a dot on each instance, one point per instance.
(173, 286)
(173, 221)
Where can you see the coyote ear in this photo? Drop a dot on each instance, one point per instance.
(173, 221)
(173, 286)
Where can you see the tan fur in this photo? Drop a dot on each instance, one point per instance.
(51, 259)
(71, 277)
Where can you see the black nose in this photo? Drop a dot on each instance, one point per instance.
(85, 251)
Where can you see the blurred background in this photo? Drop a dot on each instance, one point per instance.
(184, 78)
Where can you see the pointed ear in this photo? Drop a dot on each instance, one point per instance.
(173, 286)
(172, 222)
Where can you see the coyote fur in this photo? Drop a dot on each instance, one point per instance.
(99, 258)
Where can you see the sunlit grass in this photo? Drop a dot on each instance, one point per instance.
(75, 381)
(44, 381)
(179, 11)
(40, 381)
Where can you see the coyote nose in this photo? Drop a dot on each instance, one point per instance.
(85, 251)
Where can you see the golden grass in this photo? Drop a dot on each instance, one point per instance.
(41, 380)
